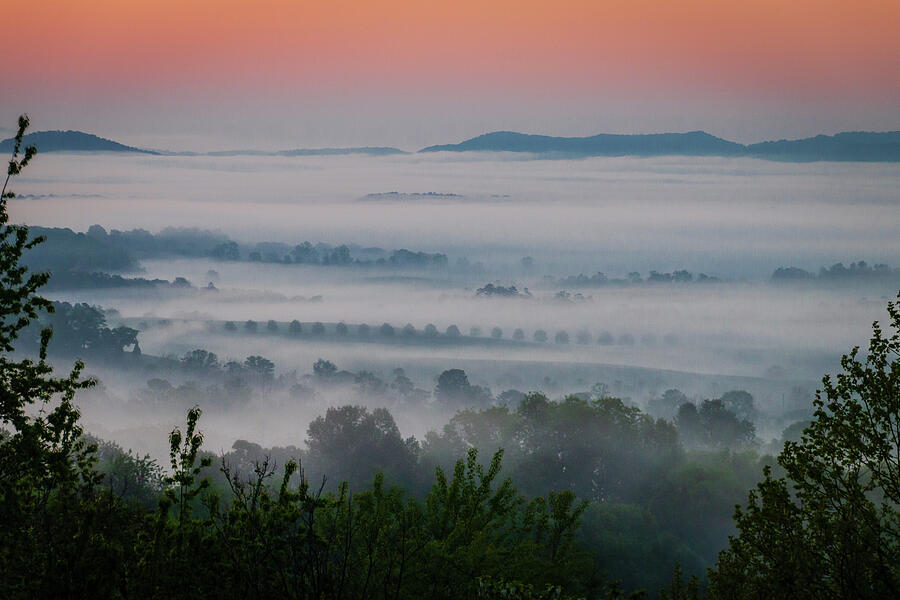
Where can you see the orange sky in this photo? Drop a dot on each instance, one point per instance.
(618, 47)
(369, 67)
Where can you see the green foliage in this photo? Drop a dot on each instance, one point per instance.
(679, 589)
(81, 330)
(714, 425)
(829, 528)
(453, 389)
(128, 476)
(593, 447)
(45, 464)
(629, 541)
(351, 444)
(293, 541)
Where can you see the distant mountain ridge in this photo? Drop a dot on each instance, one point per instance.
(848, 146)
(70, 141)
(79, 141)
(695, 143)
(865, 146)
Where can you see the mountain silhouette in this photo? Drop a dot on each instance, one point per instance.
(863, 146)
(693, 143)
(851, 146)
(69, 141)
(855, 145)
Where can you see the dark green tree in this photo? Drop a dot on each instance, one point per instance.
(830, 527)
(324, 369)
(351, 444)
(295, 328)
(45, 463)
(200, 361)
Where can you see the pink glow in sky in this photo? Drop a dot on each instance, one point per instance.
(568, 65)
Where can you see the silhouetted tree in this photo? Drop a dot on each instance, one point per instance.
(351, 443)
(226, 251)
(45, 462)
(740, 403)
(666, 406)
(828, 528)
(262, 369)
(324, 369)
(453, 388)
(200, 361)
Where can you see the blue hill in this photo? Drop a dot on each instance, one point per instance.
(851, 146)
(693, 143)
(69, 141)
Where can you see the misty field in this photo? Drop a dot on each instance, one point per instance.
(631, 340)
(736, 220)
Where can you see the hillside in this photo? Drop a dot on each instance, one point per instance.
(853, 146)
(694, 143)
(849, 146)
(69, 141)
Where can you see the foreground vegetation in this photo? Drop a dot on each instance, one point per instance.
(82, 519)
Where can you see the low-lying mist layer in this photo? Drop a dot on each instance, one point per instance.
(722, 216)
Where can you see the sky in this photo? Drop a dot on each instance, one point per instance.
(188, 74)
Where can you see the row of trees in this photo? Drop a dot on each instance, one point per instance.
(634, 278)
(725, 422)
(324, 254)
(583, 336)
(836, 273)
